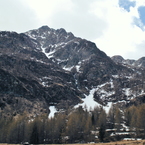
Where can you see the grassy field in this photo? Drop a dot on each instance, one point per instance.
(139, 142)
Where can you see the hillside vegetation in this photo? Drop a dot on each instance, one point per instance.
(75, 126)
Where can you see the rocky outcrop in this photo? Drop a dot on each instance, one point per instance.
(118, 59)
(140, 63)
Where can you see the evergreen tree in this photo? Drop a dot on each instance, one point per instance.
(16, 129)
(95, 116)
(34, 138)
(111, 117)
(78, 125)
(102, 124)
(129, 113)
(141, 119)
(102, 133)
(88, 137)
(118, 119)
(134, 122)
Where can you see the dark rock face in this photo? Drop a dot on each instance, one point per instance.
(27, 74)
(45, 67)
(140, 63)
(118, 59)
(79, 56)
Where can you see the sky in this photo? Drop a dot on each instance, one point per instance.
(116, 26)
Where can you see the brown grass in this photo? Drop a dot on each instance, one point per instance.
(140, 142)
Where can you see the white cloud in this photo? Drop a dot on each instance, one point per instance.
(45, 9)
(114, 30)
(73, 15)
(122, 36)
(14, 16)
(140, 2)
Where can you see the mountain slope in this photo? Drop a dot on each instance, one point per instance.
(46, 67)
(79, 56)
(38, 79)
(91, 68)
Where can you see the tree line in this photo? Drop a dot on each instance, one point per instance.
(77, 126)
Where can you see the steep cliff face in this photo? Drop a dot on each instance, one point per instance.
(46, 67)
(28, 76)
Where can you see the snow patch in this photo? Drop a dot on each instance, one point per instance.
(121, 133)
(111, 83)
(107, 107)
(90, 104)
(48, 55)
(44, 84)
(142, 92)
(129, 77)
(67, 68)
(78, 68)
(115, 76)
(127, 91)
(52, 111)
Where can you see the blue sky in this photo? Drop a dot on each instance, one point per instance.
(116, 26)
(126, 4)
(141, 11)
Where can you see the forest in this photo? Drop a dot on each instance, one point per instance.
(77, 126)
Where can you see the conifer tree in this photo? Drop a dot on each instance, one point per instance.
(118, 119)
(87, 127)
(141, 118)
(102, 124)
(129, 114)
(34, 138)
(102, 133)
(111, 117)
(16, 129)
(95, 116)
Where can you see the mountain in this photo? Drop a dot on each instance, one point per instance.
(45, 67)
(29, 80)
(140, 63)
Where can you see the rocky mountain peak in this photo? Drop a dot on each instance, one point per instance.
(140, 63)
(117, 59)
(54, 36)
(45, 28)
